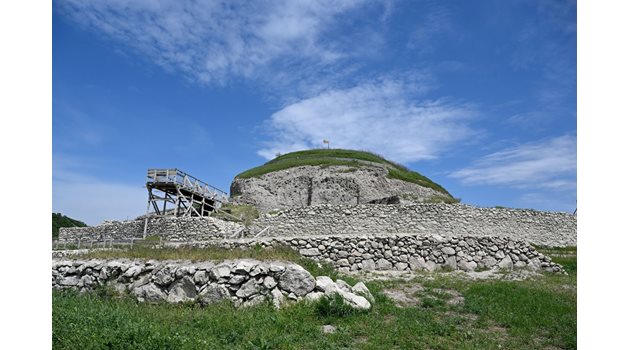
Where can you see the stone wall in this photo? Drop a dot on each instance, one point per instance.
(243, 282)
(406, 252)
(536, 227)
(169, 228)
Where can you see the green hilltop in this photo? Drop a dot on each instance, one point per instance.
(351, 158)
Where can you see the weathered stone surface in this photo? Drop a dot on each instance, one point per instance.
(182, 290)
(133, 271)
(220, 271)
(506, 263)
(201, 277)
(309, 252)
(244, 266)
(270, 282)
(325, 284)
(382, 264)
(356, 301)
(149, 292)
(328, 329)
(258, 299)
(164, 276)
(213, 293)
(401, 266)
(448, 251)
(248, 289)
(297, 280)
(343, 285)
(277, 298)
(368, 265)
(417, 263)
(451, 263)
(361, 289)
(238, 279)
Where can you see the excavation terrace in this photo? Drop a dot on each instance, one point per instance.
(343, 222)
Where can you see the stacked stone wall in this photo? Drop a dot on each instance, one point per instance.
(405, 252)
(242, 282)
(536, 227)
(169, 228)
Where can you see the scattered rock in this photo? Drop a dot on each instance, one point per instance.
(328, 329)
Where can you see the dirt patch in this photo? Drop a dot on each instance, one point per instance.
(412, 294)
(404, 296)
(514, 275)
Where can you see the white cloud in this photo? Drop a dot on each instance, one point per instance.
(545, 164)
(381, 116)
(212, 40)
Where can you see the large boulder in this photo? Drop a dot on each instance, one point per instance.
(213, 293)
(149, 293)
(182, 290)
(297, 280)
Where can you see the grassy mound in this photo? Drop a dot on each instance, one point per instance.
(330, 157)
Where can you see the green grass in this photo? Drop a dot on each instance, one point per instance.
(244, 212)
(350, 158)
(565, 256)
(59, 221)
(141, 251)
(533, 314)
(151, 251)
(441, 199)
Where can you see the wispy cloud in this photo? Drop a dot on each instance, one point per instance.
(436, 20)
(383, 116)
(546, 164)
(211, 41)
(90, 199)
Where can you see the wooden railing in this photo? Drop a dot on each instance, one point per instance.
(186, 181)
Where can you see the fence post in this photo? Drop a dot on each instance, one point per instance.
(79, 244)
(132, 242)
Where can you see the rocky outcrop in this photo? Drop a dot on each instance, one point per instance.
(313, 185)
(242, 282)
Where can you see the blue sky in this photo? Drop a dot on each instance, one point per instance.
(479, 96)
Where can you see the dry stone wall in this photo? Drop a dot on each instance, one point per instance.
(243, 282)
(406, 252)
(169, 228)
(536, 227)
